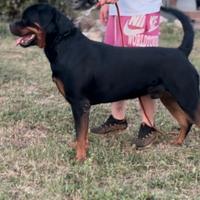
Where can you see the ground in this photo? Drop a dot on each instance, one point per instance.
(36, 128)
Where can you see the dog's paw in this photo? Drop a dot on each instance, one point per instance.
(176, 142)
(81, 158)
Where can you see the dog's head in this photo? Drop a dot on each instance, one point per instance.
(39, 23)
(83, 4)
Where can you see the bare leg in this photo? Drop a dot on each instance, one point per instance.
(118, 110)
(147, 110)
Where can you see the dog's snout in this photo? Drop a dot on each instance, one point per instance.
(16, 27)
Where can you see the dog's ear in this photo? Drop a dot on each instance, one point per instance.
(63, 24)
(46, 17)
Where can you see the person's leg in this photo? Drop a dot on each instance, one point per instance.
(147, 110)
(116, 121)
(147, 134)
(118, 110)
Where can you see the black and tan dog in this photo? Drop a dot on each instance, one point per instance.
(88, 72)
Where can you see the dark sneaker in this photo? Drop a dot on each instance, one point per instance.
(146, 136)
(110, 125)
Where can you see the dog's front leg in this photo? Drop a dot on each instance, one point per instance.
(81, 119)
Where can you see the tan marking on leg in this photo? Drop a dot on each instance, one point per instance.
(82, 139)
(59, 85)
(181, 117)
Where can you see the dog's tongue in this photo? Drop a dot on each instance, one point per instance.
(23, 39)
(18, 41)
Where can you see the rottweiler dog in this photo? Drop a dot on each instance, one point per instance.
(88, 72)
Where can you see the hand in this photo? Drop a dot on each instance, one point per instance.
(102, 2)
(103, 14)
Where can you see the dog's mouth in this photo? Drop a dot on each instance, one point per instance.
(26, 40)
(29, 35)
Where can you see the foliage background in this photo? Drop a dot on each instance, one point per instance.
(12, 9)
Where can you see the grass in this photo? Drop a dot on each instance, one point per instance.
(36, 127)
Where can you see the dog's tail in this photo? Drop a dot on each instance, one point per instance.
(188, 39)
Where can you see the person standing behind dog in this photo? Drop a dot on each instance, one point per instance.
(140, 25)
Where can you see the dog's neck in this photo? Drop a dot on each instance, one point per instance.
(53, 40)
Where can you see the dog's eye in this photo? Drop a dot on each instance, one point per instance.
(26, 22)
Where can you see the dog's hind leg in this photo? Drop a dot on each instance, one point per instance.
(181, 117)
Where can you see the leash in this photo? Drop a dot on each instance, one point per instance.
(120, 24)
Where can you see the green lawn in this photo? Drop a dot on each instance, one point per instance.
(36, 128)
